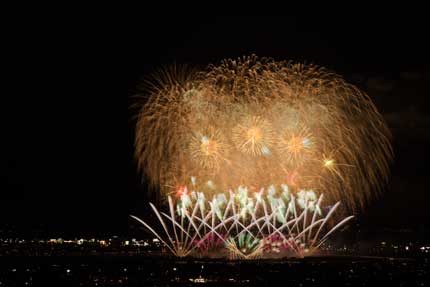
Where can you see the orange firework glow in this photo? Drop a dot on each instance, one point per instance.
(255, 122)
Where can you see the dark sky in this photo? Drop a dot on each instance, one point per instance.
(68, 161)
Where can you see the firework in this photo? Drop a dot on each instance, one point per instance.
(295, 146)
(254, 121)
(239, 225)
(253, 137)
(208, 150)
(244, 247)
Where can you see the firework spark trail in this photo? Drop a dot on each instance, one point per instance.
(254, 121)
(243, 238)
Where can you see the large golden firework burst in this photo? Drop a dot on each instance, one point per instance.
(208, 149)
(296, 145)
(254, 136)
(256, 121)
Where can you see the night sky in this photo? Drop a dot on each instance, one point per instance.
(68, 162)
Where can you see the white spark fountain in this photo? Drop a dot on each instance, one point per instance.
(274, 221)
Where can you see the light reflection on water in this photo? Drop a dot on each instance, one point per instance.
(163, 272)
